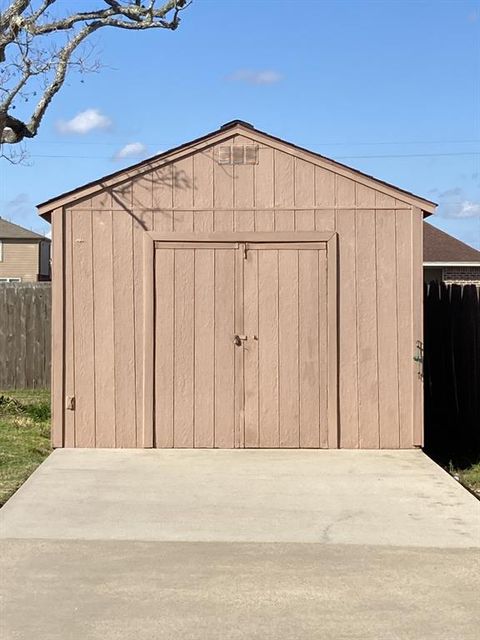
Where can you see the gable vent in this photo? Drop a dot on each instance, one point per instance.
(238, 154)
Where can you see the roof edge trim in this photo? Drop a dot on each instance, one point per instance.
(45, 208)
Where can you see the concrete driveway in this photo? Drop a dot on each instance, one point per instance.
(240, 544)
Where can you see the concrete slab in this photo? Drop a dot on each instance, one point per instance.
(398, 498)
(97, 590)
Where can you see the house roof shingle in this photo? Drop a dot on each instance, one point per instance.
(439, 246)
(11, 231)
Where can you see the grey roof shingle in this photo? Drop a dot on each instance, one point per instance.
(11, 231)
(439, 246)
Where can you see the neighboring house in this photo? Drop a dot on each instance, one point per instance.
(24, 254)
(448, 259)
(237, 291)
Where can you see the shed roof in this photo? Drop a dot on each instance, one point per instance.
(224, 132)
(441, 247)
(11, 231)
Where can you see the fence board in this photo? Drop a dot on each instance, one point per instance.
(452, 373)
(25, 327)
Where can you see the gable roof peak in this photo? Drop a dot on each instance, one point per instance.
(235, 123)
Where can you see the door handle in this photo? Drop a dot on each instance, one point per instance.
(237, 340)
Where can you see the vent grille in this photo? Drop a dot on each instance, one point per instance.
(225, 155)
(238, 154)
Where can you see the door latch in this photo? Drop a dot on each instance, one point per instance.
(237, 340)
(418, 358)
(70, 403)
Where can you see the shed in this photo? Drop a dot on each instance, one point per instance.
(237, 291)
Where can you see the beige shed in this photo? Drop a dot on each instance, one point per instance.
(237, 291)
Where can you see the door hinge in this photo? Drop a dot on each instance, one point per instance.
(70, 403)
(245, 251)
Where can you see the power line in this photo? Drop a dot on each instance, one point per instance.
(168, 143)
(398, 155)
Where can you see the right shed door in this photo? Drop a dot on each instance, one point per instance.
(285, 311)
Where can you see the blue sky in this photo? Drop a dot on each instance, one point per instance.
(390, 87)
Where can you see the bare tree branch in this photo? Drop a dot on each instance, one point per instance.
(31, 49)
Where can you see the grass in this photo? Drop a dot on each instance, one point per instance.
(469, 477)
(24, 437)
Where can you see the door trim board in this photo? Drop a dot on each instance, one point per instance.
(242, 236)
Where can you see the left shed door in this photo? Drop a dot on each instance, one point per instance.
(195, 302)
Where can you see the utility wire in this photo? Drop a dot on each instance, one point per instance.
(399, 155)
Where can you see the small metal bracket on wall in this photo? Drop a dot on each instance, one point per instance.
(70, 403)
(245, 251)
(418, 358)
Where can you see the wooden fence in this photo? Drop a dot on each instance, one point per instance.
(25, 321)
(452, 373)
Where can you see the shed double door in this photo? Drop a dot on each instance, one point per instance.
(241, 345)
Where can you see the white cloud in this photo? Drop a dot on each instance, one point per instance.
(84, 122)
(131, 150)
(266, 76)
(465, 209)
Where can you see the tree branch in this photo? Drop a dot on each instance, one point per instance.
(30, 31)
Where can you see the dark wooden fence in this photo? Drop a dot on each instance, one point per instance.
(452, 373)
(25, 321)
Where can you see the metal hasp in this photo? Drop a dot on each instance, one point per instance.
(237, 340)
(418, 358)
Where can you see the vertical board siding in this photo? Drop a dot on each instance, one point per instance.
(288, 356)
(103, 287)
(379, 289)
(224, 317)
(387, 314)
(284, 184)
(162, 198)
(142, 198)
(164, 346)
(347, 314)
(183, 372)
(124, 334)
(324, 197)
(366, 274)
(404, 266)
(183, 189)
(204, 339)
(57, 329)
(264, 190)
(83, 321)
(251, 356)
(244, 196)
(223, 180)
(268, 348)
(323, 313)
(417, 326)
(308, 347)
(70, 330)
(304, 185)
(203, 192)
